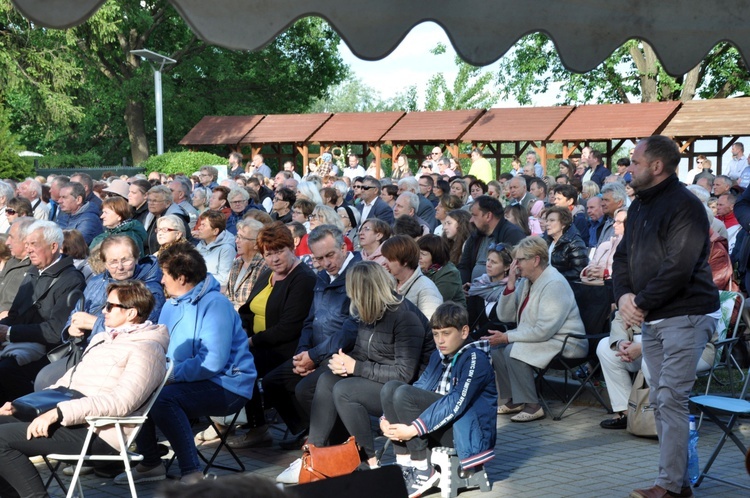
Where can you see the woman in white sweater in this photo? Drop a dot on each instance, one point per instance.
(543, 306)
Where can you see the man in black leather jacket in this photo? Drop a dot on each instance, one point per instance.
(662, 281)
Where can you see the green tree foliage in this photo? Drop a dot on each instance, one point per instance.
(353, 95)
(182, 162)
(632, 72)
(469, 89)
(110, 104)
(11, 165)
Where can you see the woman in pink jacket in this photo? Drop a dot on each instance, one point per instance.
(117, 373)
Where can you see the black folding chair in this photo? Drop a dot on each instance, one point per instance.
(716, 407)
(595, 306)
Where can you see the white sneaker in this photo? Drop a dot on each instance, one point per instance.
(291, 474)
(85, 470)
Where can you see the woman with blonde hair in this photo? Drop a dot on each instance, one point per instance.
(393, 343)
(589, 189)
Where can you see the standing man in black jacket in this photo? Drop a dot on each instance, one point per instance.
(662, 282)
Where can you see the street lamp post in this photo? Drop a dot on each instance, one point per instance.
(157, 63)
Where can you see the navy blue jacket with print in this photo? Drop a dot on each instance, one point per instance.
(470, 405)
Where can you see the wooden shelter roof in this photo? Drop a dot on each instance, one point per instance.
(437, 126)
(516, 124)
(285, 128)
(220, 130)
(711, 118)
(615, 121)
(357, 127)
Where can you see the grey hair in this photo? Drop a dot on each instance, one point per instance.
(320, 232)
(238, 192)
(249, 223)
(23, 223)
(200, 191)
(701, 193)
(409, 183)
(174, 222)
(6, 191)
(77, 190)
(309, 190)
(184, 186)
(35, 186)
(163, 191)
(329, 216)
(618, 192)
(51, 232)
(341, 187)
(413, 200)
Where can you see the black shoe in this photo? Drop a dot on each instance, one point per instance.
(294, 442)
(615, 423)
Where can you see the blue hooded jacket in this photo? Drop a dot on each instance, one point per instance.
(85, 220)
(207, 341)
(470, 406)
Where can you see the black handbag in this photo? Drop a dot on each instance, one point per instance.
(27, 408)
(71, 349)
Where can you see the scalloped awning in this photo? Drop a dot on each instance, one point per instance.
(585, 31)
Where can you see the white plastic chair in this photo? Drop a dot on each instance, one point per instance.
(125, 456)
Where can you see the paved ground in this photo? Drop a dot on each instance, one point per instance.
(572, 457)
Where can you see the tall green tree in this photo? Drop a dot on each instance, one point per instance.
(11, 165)
(632, 73)
(472, 88)
(113, 90)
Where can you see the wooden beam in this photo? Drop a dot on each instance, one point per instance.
(377, 151)
(395, 151)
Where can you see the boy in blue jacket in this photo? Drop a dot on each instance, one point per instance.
(453, 403)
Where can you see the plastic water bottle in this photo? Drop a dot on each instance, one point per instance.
(694, 470)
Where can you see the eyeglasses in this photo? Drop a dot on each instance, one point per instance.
(10, 211)
(166, 230)
(313, 217)
(620, 222)
(357, 186)
(109, 306)
(435, 153)
(246, 239)
(122, 263)
(499, 247)
(156, 201)
(241, 201)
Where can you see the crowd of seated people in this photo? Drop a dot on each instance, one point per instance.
(323, 296)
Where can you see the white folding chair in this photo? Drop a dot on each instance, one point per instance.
(125, 456)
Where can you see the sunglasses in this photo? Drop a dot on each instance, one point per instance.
(367, 187)
(109, 306)
(499, 247)
(10, 211)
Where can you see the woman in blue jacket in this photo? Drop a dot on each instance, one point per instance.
(213, 373)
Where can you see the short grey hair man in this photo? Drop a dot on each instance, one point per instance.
(408, 184)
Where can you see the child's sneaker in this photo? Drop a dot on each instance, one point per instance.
(419, 481)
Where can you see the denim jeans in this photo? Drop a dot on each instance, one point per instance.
(176, 405)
